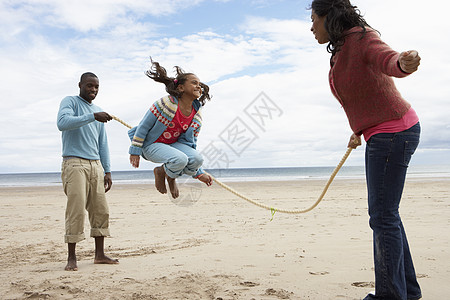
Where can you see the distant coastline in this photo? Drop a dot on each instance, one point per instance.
(227, 175)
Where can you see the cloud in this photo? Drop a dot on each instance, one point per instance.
(86, 15)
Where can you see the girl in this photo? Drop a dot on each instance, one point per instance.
(360, 77)
(168, 132)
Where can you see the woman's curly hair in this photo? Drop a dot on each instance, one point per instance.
(159, 74)
(341, 15)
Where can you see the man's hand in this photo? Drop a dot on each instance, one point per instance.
(108, 182)
(134, 160)
(355, 141)
(409, 61)
(102, 117)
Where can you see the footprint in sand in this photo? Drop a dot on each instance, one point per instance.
(319, 273)
(282, 294)
(364, 284)
(36, 295)
(249, 283)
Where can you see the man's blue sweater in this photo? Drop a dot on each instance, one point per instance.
(82, 135)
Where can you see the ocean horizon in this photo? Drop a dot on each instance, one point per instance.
(226, 175)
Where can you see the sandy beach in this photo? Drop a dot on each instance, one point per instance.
(211, 244)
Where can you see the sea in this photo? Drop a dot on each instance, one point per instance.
(229, 175)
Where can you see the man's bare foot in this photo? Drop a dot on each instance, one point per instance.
(173, 187)
(160, 179)
(105, 260)
(71, 265)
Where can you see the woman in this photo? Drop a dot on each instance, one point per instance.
(362, 67)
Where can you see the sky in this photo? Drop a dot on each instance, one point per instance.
(271, 104)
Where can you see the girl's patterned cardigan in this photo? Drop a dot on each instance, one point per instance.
(155, 122)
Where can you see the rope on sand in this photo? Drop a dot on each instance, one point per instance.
(272, 209)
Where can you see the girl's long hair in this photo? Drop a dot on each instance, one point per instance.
(159, 74)
(341, 15)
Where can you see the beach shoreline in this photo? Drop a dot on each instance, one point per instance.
(210, 244)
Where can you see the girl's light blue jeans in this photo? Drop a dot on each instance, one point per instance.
(177, 158)
(387, 159)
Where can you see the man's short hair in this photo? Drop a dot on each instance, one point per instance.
(87, 74)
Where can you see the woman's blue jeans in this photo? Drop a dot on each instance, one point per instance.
(387, 159)
(177, 158)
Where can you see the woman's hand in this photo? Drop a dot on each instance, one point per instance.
(134, 160)
(355, 141)
(409, 61)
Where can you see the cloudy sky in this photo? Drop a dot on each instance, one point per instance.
(271, 104)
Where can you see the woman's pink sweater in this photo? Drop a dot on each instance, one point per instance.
(361, 79)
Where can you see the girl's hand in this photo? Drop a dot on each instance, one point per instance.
(355, 141)
(205, 178)
(134, 160)
(409, 61)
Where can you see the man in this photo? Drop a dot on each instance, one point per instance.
(86, 171)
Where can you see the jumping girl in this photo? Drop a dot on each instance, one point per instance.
(168, 132)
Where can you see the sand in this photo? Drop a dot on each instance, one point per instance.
(213, 245)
